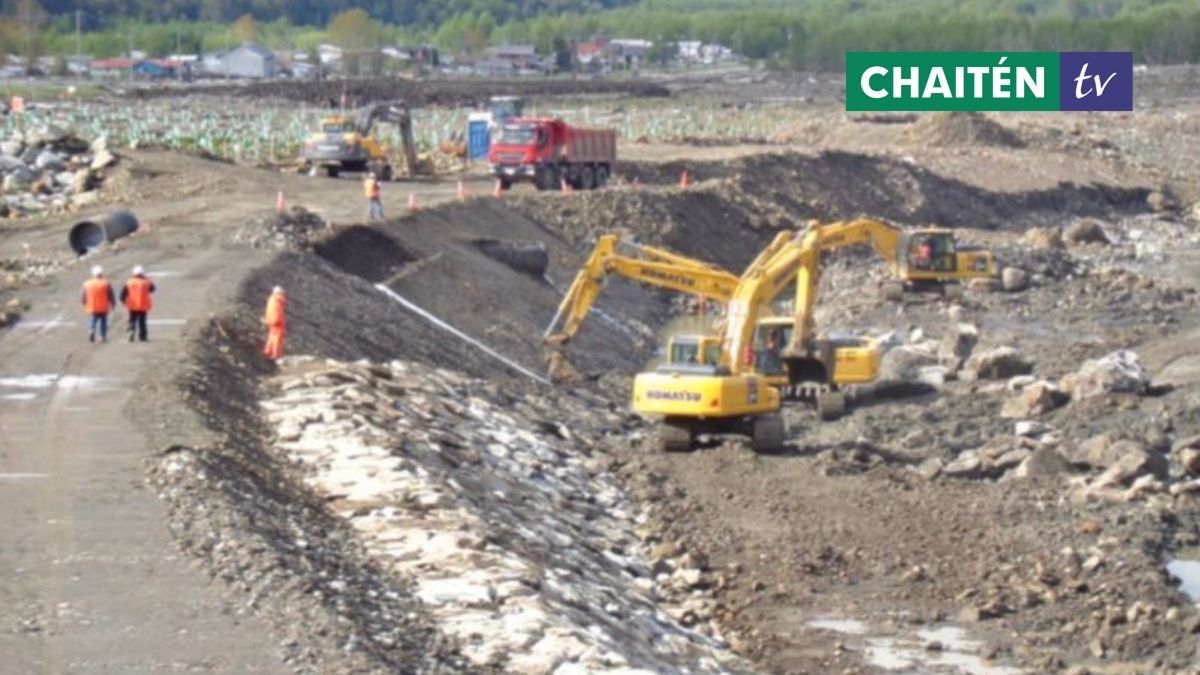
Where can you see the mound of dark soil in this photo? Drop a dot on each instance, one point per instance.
(961, 129)
(356, 93)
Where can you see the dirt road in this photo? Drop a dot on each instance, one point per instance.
(90, 580)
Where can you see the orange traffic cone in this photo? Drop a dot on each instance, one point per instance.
(280, 206)
(566, 187)
(412, 201)
(683, 180)
(498, 192)
(462, 191)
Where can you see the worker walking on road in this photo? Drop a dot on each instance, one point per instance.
(374, 205)
(135, 295)
(97, 302)
(276, 322)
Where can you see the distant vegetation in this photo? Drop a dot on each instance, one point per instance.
(802, 34)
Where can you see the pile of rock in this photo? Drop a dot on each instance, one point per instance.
(291, 230)
(506, 523)
(50, 170)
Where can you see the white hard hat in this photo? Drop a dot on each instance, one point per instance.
(372, 174)
(138, 271)
(97, 271)
(277, 289)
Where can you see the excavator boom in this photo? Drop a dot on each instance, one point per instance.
(645, 264)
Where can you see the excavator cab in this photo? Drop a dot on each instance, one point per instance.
(932, 251)
(694, 350)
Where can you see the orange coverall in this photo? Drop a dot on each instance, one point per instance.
(276, 324)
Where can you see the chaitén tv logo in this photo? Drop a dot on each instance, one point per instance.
(989, 81)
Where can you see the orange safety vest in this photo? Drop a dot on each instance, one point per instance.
(371, 189)
(96, 292)
(137, 294)
(275, 311)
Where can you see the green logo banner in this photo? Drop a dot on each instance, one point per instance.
(982, 81)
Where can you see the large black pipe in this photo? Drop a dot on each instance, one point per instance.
(89, 234)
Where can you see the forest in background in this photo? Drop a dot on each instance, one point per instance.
(799, 34)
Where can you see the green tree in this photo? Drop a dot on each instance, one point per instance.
(354, 29)
(245, 29)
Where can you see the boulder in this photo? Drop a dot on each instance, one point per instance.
(1043, 462)
(65, 179)
(10, 163)
(984, 285)
(1014, 279)
(99, 144)
(1132, 466)
(904, 364)
(11, 148)
(1189, 459)
(957, 345)
(999, 364)
(1043, 238)
(29, 157)
(966, 465)
(49, 160)
(1186, 442)
(1120, 371)
(1103, 450)
(1160, 201)
(1086, 231)
(18, 180)
(49, 135)
(1034, 399)
(103, 159)
(1031, 429)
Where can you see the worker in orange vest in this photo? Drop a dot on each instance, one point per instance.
(135, 295)
(276, 322)
(97, 302)
(374, 205)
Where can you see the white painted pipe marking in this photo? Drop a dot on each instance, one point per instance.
(20, 476)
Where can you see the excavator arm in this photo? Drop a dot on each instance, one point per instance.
(395, 112)
(644, 264)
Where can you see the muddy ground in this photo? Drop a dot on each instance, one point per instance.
(925, 530)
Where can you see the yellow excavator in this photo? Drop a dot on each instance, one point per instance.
(729, 397)
(928, 259)
(348, 143)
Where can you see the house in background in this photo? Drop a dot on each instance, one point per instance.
(519, 57)
(590, 55)
(250, 60)
(629, 53)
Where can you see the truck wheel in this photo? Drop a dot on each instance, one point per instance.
(675, 436)
(332, 171)
(505, 183)
(385, 174)
(768, 432)
(893, 291)
(601, 176)
(831, 405)
(587, 178)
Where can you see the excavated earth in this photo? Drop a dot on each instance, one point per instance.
(409, 498)
(415, 93)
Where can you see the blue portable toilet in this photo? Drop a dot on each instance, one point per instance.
(478, 135)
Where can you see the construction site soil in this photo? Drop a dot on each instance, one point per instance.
(855, 545)
(409, 494)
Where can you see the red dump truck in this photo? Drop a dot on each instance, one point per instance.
(548, 152)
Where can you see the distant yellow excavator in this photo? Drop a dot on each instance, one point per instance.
(928, 259)
(348, 143)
